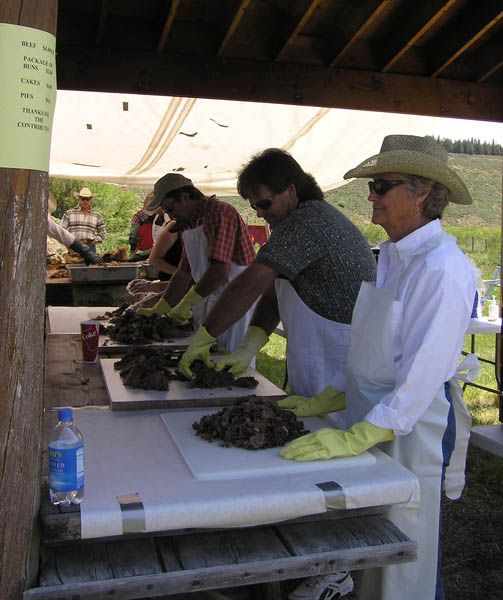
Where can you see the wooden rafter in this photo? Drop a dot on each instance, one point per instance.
(102, 17)
(312, 8)
(239, 14)
(168, 25)
(490, 72)
(359, 31)
(256, 81)
(475, 25)
(404, 46)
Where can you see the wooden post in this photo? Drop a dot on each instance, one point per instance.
(23, 229)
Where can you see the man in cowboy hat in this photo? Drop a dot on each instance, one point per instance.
(58, 233)
(407, 333)
(85, 223)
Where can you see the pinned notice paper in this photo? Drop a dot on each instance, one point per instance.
(28, 76)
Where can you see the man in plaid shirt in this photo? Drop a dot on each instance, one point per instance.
(85, 223)
(217, 248)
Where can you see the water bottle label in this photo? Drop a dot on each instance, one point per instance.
(66, 468)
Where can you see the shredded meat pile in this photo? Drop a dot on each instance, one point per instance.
(207, 377)
(149, 368)
(130, 328)
(250, 423)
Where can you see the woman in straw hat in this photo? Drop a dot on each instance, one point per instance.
(407, 334)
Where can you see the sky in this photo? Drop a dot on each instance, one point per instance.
(461, 129)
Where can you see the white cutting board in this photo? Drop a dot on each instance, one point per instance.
(180, 394)
(109, 346)
(209, 461)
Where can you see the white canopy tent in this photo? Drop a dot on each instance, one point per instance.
(134, 140)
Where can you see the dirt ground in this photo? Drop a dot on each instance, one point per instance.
(472, 533)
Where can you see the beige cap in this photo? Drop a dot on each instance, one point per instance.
(163, 186)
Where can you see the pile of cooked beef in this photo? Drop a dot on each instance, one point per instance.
(250, 423)
(154, 368)
(130, 328)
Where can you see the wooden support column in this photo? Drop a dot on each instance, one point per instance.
(23, 229)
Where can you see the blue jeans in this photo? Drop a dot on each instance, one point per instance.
(448, 441)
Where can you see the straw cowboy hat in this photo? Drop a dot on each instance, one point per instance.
(414, 155)
(148, 199)
(84, 193)
(51, 203)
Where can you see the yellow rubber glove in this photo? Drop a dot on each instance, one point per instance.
(328, 400)
(198, 349)
(335, 443)
(161, 308)
(183, 310)
(240, 359)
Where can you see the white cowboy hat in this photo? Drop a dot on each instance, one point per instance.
(414, 155)
(84, 193)
(51, 203)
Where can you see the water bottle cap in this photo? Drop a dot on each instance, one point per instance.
(65, 414)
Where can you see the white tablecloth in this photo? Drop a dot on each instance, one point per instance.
(133, 453)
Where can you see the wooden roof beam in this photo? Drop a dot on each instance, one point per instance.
(276, 82)
(363, 15)
(236, 20)
(414, 27)
(474, 23)
(102, 17)
(168, 25)
(301, 23)
(487, 74)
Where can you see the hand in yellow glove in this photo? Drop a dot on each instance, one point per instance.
(198, 349)
(328, 400)
(183, 310)
(161, 308)
(335, 443)
(240, 359)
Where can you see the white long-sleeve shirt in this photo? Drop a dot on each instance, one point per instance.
(59, 233)
(436, 285)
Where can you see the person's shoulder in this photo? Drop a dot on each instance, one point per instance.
(222, 207)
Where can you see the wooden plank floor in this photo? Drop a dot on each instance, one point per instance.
(165, 566)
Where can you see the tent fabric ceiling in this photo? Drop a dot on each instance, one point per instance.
(134, 140)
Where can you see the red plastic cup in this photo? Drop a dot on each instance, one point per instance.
(90, 333)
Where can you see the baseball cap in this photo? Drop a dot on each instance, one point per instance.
(165, 185)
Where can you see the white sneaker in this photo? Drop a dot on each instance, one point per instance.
(323, 587)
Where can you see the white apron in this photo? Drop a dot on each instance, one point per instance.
(317, 348)
(157, 227)
(370, 375)
(196, 247)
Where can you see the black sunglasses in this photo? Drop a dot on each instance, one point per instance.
(383, 186)
(263, 204)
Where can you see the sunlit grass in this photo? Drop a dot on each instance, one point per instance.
(483, 405)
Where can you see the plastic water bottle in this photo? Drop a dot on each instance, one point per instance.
(494, 310)
(66, 461)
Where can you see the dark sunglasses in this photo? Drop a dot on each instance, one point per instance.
(262, 204)
(383, 186)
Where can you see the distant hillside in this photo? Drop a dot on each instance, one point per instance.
(482, 175)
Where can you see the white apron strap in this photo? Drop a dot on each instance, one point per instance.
(455, 473)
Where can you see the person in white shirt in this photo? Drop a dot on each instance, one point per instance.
(407, 334)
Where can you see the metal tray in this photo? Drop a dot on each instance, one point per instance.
(83, 273)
